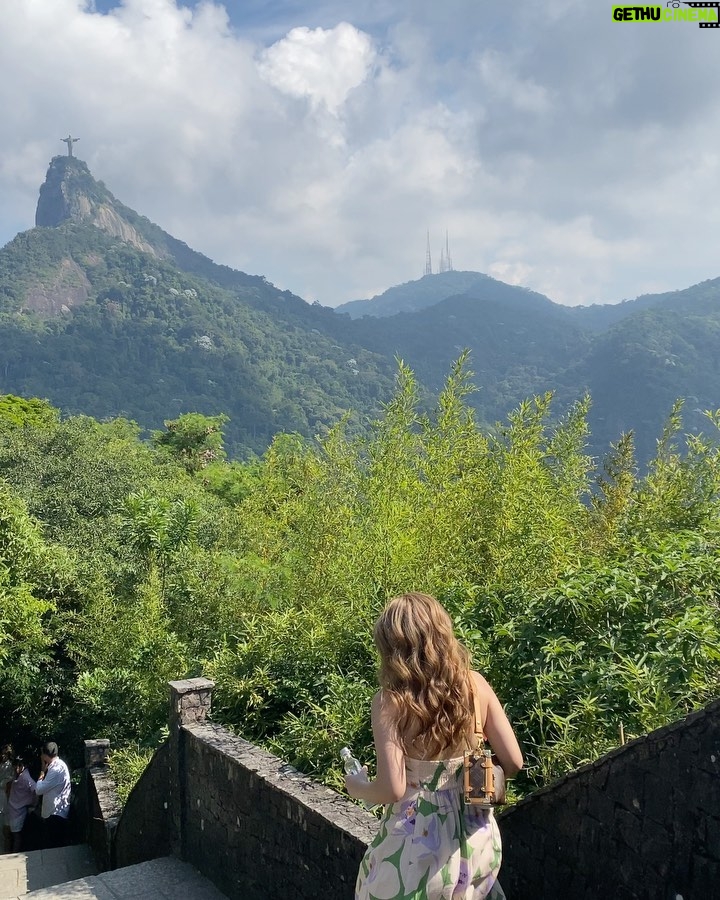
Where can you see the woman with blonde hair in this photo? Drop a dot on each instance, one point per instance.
(430, 846)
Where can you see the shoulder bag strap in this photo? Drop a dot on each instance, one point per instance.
(476, 714)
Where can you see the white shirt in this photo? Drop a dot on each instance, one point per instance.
(55, 790)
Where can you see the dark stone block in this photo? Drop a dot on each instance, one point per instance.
(658, 797)
(705, 875)
(656, 847)
(628, 827)
(711, 835)
(703, 791)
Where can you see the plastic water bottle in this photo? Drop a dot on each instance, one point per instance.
(352, 765)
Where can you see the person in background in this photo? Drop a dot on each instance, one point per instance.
(20, 800)
(6, 776)
(53, 785)
(430, 846)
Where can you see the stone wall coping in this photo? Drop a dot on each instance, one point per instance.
(110, 805)
(651, 737)
(189, 685)
(351, 818)
(97, 752)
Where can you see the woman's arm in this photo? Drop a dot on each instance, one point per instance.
(498, 730)
(389, 785)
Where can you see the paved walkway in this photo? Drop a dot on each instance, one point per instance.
(31, 876)
(23, 872)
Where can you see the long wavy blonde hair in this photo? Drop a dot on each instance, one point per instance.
(425, 671)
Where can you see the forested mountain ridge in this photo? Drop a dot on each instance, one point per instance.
(104, 313)
(431, 290)
(634, 358)
(71, 194)
(521, 344)
(414, 295)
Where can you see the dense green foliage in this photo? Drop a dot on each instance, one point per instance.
(635, 358)
(150, 341)
(588, 597)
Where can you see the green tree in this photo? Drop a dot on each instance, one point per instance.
(34, 578)
(19, 411)
(193, 439)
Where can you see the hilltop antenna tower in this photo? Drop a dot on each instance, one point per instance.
(448, 258)
(428, 259)
(445, 258)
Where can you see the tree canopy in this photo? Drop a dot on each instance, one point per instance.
(586, 593)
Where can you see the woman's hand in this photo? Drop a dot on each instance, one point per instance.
(356, 783)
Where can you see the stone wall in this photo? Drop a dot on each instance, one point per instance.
(260, 829)
(144, 830)
(642, 823)
(253, 825)
(99, 803)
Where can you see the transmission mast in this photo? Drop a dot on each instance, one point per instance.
(445, 259)
(448, 258)
(428, 259)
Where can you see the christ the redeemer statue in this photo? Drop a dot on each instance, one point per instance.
(69, 140)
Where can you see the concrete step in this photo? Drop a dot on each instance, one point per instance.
(159, 879)
(24, 872)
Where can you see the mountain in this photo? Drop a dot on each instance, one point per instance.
(414, 295)
(635, 358)
(104, 313)
(600, 317)
(668, 348)
(520, 342)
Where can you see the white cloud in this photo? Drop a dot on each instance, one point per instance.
(323, 65)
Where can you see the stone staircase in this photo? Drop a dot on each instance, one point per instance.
(69, 873)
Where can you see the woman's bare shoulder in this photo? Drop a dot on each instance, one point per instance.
(383, 703)
(481, 684)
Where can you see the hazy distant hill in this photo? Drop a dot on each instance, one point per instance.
(635, 358)
(667, 349)
(599, 317)
(520, 342)
(414, 295)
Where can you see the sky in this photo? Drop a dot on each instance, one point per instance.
(318, 144)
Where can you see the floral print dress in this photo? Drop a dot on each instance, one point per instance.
(431, 846)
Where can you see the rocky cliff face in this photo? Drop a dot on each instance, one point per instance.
(58, 292)
(71, 194)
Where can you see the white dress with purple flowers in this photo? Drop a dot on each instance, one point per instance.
(431, 846)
